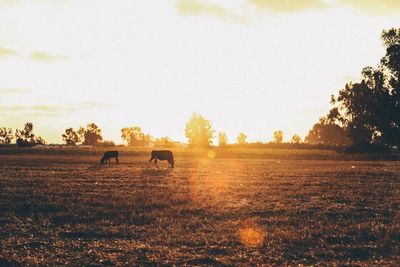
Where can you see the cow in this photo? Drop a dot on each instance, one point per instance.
(162, 155)
(109, 154)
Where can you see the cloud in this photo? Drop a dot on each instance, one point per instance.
(288, 5)
(4, 52)
(38, 108)
(29, 112)
(53, 110)
(46, 57)
(200, 7)
(6, 2)
(374, 6)
(13, 2)
(13, 91)
(36, 55)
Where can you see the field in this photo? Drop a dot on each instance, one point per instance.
(242, 207)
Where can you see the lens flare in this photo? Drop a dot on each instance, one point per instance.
(211, 154)
(251, 235)
(213, 182)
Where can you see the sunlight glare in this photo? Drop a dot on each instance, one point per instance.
(251, 235)
(211, 154)
(212, 183)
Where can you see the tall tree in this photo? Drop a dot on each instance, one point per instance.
(370, 110)
(26, 137)
(134, 136)
(327, 133)
(199, 131)
(71, 137)
(241, 139)
(222, 139)
(296, 139)
(6, 135)
(278, 137)
(92, 135)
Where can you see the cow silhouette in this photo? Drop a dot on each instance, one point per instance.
(162, 155)
(108, 155)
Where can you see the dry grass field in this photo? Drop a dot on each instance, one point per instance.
(217, 208)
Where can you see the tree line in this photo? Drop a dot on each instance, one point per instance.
(23, 138)
(198, 131)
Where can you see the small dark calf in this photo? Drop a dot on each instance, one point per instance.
(162, 155)
(109, 154)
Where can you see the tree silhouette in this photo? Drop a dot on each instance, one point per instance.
(91, 135)
(134, 136)
(40, 141)
(198, 131)
(26, 137)
(369, 111)
(278, 137)
(241, 139)
(296, 139)
(71, 137)
(327, 133)
(6, 135)
(222, 139)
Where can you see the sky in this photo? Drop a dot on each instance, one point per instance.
(251, 66)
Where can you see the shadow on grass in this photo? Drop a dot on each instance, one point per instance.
(97, 166)
(155, 172)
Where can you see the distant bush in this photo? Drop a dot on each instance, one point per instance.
(364, 147)
(106, 144)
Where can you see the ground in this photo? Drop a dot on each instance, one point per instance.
(242, 207)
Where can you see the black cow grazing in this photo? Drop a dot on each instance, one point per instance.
(162, 155)
(109, 154)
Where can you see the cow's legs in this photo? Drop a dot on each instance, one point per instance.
(151, 159)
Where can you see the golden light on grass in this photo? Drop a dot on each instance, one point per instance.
(213, 182)
(251, 235)
(211, 154)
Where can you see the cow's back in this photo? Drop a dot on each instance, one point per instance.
(162, 155)
(111, 154)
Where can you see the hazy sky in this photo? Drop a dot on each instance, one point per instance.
(249, 66)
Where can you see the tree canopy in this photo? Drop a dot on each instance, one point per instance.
(369, 111)
(222, 139)
(134, 136)
(296, 139)
(241, 139)
(199, 131)
(327, 133)
(6, 135)
(71, 137)
(26, 137)
(278, 137)
(91, 135)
